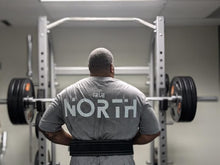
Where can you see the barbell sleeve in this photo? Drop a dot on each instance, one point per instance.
(207, 98)
(3, 101)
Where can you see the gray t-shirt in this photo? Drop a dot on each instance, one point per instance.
(101, 108)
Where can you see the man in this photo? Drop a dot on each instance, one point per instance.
(103, 110)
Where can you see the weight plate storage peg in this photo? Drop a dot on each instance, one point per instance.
(167, 83)
(20, 113)
(37, 120)
(183, 110)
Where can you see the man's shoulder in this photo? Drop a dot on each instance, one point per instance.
(74, 86)
(128, 87)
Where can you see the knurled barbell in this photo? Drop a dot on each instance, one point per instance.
(182, 98)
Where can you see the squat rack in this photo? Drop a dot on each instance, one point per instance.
(156, 69)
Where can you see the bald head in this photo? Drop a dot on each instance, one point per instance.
(100, 61)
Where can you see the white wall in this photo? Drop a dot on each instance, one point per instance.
(195, 53)
(13, 58)
(189, 51)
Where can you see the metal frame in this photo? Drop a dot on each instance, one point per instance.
(160, 87)
(52, 94)
(157, 69)
(115, 19)
(43, 80)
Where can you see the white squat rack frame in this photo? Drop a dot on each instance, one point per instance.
(48, 71)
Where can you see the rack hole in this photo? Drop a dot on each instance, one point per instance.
(42, 60)
(42, 53)
(42, 155)
(161, 52)
(42, 139)
(42, 162)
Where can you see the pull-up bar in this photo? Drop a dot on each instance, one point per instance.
(109, 19)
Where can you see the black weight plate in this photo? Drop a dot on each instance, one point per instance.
(188, 99)
(176, 106)
(173, 104)
(19, 102)
(16, 92)
(184, 105)
(16, 97)
(194, 97)
(29, 110)
(10, 102)
(37, 120)
(26, 90)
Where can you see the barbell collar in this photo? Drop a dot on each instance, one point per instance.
(172, 98)
(34, 100)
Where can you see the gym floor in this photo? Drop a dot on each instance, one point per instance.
(192, 49)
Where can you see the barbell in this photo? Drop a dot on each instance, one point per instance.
(182, 99)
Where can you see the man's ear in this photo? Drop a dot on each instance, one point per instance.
(112, 69)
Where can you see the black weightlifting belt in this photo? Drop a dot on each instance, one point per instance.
(101, 148)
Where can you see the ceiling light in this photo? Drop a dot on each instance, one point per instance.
(96, 0)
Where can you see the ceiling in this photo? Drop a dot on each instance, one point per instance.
(176, 12)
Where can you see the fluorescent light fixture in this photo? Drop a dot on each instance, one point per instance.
(99, 0)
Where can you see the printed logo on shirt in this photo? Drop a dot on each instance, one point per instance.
(121, 107)
(99, 94)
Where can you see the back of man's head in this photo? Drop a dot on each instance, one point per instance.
(100, 60)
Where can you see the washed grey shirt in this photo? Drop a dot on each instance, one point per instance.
(101, 108)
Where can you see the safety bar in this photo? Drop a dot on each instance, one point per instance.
(110, 19)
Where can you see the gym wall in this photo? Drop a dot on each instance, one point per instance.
(189, 51)
(13, 58)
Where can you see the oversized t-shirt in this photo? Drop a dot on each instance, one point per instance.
(101, 108)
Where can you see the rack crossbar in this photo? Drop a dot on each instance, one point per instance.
(106, 19)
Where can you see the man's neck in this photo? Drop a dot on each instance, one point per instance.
(101, 75)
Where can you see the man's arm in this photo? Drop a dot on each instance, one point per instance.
(59, 137)
(144, 139)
